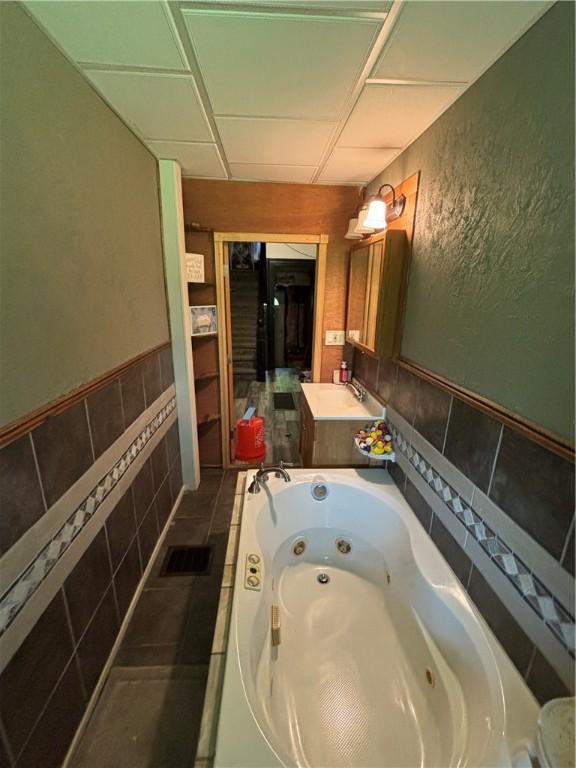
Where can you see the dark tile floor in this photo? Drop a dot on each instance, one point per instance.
(161, 668)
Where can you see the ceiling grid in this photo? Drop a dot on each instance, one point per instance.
(301, 91)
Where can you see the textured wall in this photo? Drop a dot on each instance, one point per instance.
(82, 287)
(491, 293)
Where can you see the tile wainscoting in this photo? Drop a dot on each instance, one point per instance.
(85, 496)
(501, 511)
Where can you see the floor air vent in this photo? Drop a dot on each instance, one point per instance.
(284, 401)
(185, 561)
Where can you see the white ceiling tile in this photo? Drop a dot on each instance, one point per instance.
(274, 141)
(279, 65)
(453, 41)
(137, 33)
(356, 165)
(394, 115)
(157, 106)
(299, 174)
(195, 159)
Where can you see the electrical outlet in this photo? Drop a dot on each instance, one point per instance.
(334, 339)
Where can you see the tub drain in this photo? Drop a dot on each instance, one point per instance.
(323, 578)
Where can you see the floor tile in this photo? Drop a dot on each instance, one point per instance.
(199, 505)
(148, 655)
(210, 480)
(160, 617)
(197, 642)
(146, 719)
(189, 531)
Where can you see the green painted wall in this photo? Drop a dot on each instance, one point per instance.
(81, 269)
(490, 301)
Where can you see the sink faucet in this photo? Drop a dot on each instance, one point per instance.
(357, 389)
(261, 476)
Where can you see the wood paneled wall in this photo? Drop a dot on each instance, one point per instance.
(236, 206)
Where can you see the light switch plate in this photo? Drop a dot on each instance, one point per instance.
(334, 338)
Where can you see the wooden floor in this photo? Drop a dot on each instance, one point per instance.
(282, 427)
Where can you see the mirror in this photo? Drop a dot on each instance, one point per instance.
(375, 289)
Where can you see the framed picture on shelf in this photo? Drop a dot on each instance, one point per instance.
(194, 267)
(204, 322)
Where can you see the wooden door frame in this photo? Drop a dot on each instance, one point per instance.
(224, 315)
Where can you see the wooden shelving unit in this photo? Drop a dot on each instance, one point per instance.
(205, 354)
(206, 376)
(208, 418)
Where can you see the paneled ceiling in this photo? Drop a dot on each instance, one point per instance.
(319, 91)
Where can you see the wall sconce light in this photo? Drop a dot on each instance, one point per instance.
(351, 233)
(379, 213)
(356, 227)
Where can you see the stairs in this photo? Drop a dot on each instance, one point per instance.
(244, 307)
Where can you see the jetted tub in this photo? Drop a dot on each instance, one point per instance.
(382, 659)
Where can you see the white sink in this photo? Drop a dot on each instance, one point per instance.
(335, 401)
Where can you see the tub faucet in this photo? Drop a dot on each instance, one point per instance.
(262, 475)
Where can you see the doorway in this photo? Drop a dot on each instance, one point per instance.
(271, 290)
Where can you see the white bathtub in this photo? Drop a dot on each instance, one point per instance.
(386, 664)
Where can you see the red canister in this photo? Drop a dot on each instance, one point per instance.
(250, 442)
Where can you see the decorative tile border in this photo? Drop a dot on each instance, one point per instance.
(18, 594)
(531, 589)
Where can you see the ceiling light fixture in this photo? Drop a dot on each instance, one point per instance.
(380, 213)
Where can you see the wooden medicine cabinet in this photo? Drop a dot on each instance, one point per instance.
(375, 288)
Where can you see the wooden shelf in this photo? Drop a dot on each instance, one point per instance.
(205, 352)
(208, 418)
(206, 376)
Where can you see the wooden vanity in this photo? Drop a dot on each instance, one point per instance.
(330, 416)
